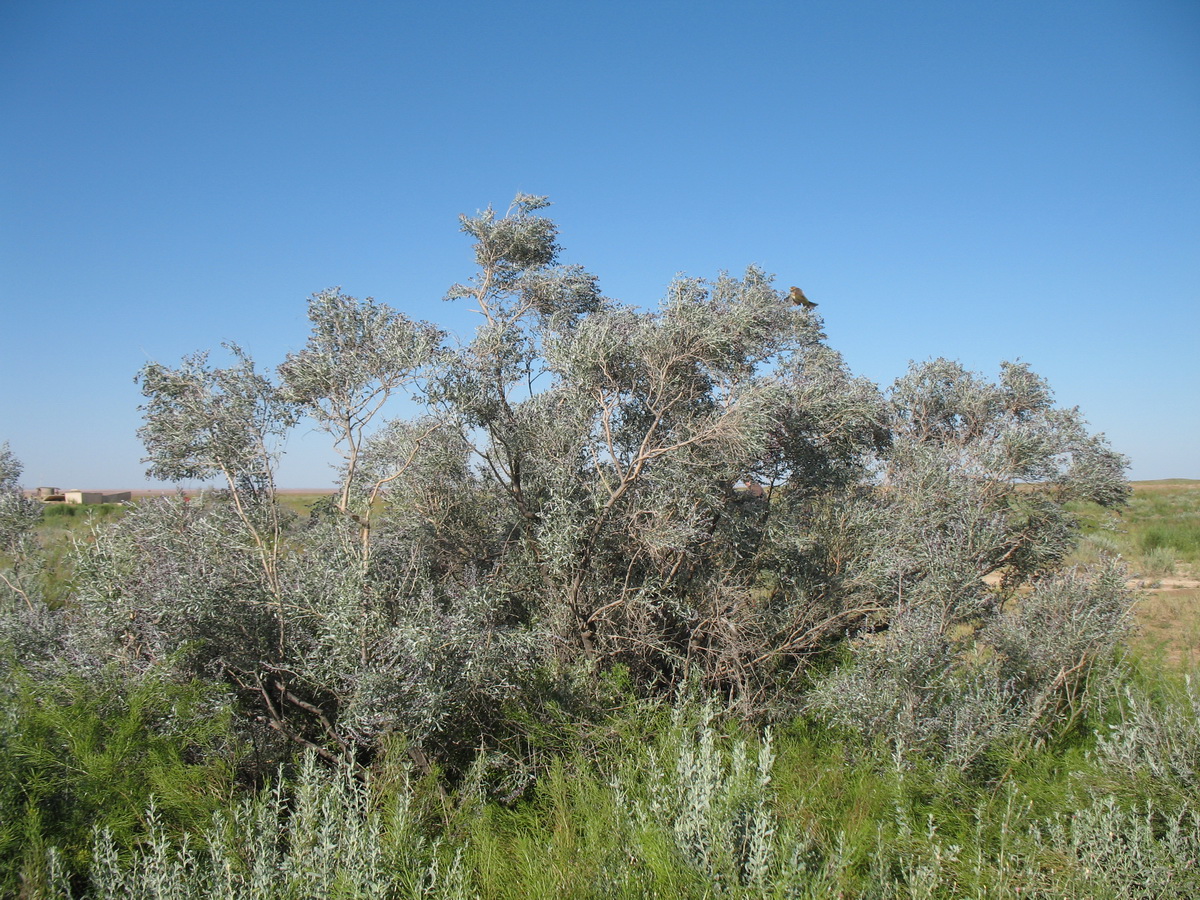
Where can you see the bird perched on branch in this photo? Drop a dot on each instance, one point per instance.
(797, 296)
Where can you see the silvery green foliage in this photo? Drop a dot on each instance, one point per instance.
(18, 514)
(179, 574)
(1047, 639)
(203, 422)
(951, 693)
(717, 803)
(926, 864)
(714, 798)
(27, 627)
(358, 354)
(925, 692)
(444, 669)
(698, 490)
(1112, 851)
(978, 474)
(973, 483)
(1158, 735)
(392, 650)
(330, 836)
(322, 644)
(362, 655)
(613, 441)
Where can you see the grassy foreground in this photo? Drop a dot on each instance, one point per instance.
(652, 802)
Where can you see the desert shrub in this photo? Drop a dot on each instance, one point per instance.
(431, 660)
(1115, 851)
(18, 513)
(21, 566)
(176, 574)
(698, 498)
(1067, 622)
(922, 691)
(1098, 544)
(706, 795)
(532, 642)
(1155, 734)
(700, 493)
(324, 651)
(1016, 672)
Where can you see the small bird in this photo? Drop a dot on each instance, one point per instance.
(797, 296)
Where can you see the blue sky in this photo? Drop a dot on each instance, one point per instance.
(983, 181)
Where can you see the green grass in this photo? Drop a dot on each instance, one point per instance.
(300, 504)
(1158, 536)
(673, 804)
(92, 511)
(80, 752)
(1166, 516)
(1163, 518)
(1182, 537)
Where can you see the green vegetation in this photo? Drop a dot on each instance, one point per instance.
(638, 603)
(61, 525)
(671, 803)
(92, 512)
(302, 504)
(1159, 529)
(82, 752)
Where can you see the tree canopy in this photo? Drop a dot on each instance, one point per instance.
(699, 496)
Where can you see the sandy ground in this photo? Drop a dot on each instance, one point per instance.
(1168, 619)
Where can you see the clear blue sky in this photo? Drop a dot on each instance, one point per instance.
(983, 181)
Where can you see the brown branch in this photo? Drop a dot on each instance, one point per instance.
(313, 710)
(276, 721)
(17, 590)
(797, 641)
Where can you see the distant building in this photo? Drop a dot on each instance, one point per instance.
(83, 496)
(96, 497)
